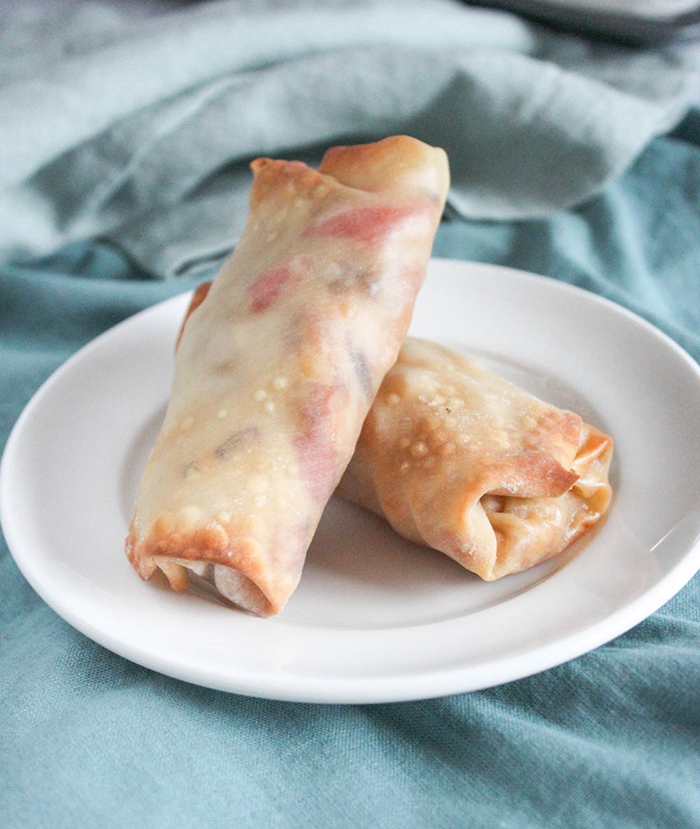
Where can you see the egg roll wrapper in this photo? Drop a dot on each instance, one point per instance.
(457, 458)
(277, 367)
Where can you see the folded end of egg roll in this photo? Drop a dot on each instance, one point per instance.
(223, 557)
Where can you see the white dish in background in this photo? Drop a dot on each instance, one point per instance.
(375, 618)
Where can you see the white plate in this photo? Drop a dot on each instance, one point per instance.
(375, 618)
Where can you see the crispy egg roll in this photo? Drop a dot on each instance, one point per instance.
(458, 458)
(277, 367)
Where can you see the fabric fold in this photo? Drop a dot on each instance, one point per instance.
(139, 132)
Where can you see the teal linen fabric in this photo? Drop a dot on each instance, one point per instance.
(140, 131)
(611, 739)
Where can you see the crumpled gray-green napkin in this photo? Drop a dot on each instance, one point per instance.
(138, 129)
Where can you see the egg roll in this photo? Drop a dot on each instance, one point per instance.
(277, 367)
(458, 458)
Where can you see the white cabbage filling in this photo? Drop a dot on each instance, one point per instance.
(227, 582)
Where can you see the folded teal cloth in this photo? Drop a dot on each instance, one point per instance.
(139, 130)
(608, 740)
